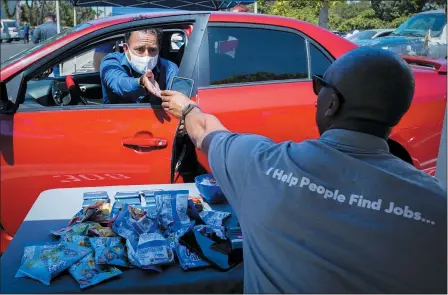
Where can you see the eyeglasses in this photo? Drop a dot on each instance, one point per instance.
(319, 83)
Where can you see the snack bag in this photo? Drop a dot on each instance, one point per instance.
(91, 198)
(213, 217)
(188, 259)
(78, 229)
(28, 254)
(110, 251)
(152, 249)
(135, 259)
(122, 198)
(87, 273)
(82, 241)
(174, 236)
(210, 230)
(45, 265)
(171, 208)
(97, 212)
(101, 232)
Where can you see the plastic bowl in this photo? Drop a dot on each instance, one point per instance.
(211, 193)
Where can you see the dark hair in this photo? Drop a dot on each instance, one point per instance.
(155, 31)
(51, 15)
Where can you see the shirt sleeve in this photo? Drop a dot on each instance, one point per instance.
(231, 157)
(115, 77)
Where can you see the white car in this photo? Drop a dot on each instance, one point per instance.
(9, 30)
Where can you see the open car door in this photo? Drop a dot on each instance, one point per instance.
(48, 147)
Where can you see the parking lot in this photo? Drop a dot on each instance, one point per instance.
(10, 49)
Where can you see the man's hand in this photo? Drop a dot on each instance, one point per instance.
(151, 84)
(174, 102)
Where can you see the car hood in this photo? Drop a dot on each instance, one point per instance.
(390, 41)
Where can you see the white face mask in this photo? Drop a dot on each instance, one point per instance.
(141, 64)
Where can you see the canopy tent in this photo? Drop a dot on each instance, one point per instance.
(195, 5)
(118, 10)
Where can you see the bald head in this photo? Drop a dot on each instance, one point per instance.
(376, 88)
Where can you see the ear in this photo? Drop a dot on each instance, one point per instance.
(334, 106)
(125, 47)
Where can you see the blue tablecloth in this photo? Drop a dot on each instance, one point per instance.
(172, 280)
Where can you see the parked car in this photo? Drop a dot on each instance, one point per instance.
(245, 73)
(366, 35)
(409, 37)
(10, 30)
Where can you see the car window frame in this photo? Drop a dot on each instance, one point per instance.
(204, 55)
(199, 20)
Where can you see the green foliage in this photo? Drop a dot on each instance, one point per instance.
(345, 16)
(33, 12)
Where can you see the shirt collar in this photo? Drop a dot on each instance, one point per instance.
(354, 139)
(125, 62)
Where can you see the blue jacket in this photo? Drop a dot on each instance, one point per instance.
(44, 31)
(120, 82)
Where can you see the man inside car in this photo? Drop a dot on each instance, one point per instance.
(138, 74)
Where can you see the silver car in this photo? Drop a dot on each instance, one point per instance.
(9, 30)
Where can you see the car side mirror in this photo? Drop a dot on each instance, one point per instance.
(6, 106)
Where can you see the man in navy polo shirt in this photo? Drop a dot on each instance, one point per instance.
(138, 74)
(338, 214)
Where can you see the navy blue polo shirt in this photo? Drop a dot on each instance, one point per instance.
(339, 214)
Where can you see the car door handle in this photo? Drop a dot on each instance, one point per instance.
(143, 144)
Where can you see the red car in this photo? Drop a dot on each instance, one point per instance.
(252, 71)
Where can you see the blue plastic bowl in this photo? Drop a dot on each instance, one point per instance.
(211, 193)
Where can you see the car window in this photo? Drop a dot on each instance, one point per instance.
(177, 40)
(10, 24)
(242, 55)
(363, 35)
(384, 34)
(42, 44)
(319, 62)
(420, 24)
(80, 64)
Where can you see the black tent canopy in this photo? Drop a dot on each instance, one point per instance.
(195, 5)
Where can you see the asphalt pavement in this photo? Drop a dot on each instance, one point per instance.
(9, 49)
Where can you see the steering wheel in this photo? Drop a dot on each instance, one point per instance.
(74, 90)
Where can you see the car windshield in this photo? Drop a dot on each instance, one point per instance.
(364, 35)
(42, 44)
(420, 24)
(10, 23)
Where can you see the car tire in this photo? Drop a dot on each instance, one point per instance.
(9, 40)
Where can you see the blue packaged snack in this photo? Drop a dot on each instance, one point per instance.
(45, 265)
(110, 251)
(171, 208)
(210, 230)
(188, 259)
(212, 217)
(29, 252)
(87, 273)
(91, 198)
(131, 222)
(174, 236)
(152, 249)
(83, 229)
(122, 198)
(137, 259)
(98, 212)
(82, 241)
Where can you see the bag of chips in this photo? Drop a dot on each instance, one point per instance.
(212, 217)
(82, 241)
(171, 208)
(131, 222)
(98, 212)
(87, 273)
(110, 251)
(188, 259)
(152, 249)
(211, 230)
(43, 265)
(135, 259)
(83, 229)
(29, 251)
